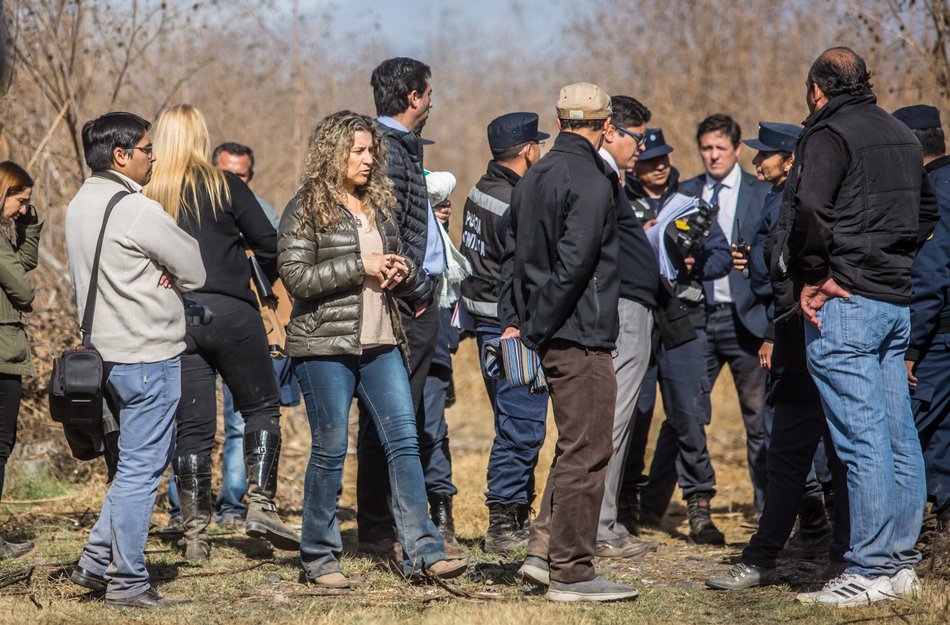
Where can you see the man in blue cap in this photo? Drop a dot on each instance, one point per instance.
(928, 357)
(515, 144)
(798, 421)
(681, 454)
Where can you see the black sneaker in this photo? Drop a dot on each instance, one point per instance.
(148, 600)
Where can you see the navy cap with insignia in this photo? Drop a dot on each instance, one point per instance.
(655, 144)
(775, 137)
(514, 128)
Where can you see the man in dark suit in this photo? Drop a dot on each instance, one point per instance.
(736, 318)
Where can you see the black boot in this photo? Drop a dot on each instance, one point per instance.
(261, 457)
(814, 532)
(628, 511)
(702, 531)
(507, 530)
(440, 509)
(193, 478)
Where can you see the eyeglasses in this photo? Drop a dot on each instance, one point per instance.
(540, 144)
(145, 149)
(641, 139)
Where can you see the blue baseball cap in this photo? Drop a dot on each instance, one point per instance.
(918, 116)
(655, 144)
(514, 128)
(775, 137)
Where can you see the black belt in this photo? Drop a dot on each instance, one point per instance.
(724, 306)
(944, 326)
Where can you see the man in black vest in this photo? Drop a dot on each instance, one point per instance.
(403, 97)
(519, 415)
(863, 206)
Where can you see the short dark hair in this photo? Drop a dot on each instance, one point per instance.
(720, 122)
(578, 124)
(840, 71)
(101, 136)
(628, 112)
(393, 80)
(932, 141)
(238, 149)
(503, 155)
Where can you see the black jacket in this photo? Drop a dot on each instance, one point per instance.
(564, 249)
(222, 237)
(404, 167)
(863, 202)
(484, 229)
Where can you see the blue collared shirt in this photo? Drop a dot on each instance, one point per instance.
(434, 262)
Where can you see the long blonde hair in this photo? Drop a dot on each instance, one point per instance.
(182, 168)
(321, 186)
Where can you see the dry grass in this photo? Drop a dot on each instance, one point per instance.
(247, 583)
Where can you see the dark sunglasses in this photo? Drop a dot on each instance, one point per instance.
(145, 149)
(641, 139)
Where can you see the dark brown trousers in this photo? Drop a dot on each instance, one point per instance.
(583, 391)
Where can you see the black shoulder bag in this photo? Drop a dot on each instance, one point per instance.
(77, 382)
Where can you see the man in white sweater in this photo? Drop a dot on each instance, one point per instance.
(146, 262)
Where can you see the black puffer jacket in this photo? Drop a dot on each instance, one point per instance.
(324, 273)
(404, 167)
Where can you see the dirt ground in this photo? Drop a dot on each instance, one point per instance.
(246, 582)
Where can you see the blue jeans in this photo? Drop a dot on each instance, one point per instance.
(519, 433)
(378, 377)
(857, 361)
(146, 396)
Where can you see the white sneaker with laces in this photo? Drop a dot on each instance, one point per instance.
(906, 584)
(850, 590)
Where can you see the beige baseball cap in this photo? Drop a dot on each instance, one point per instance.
(583, 100)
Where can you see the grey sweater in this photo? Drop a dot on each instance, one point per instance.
(135, 320)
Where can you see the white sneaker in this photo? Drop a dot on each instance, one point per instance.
(906, 584)
(849, 590)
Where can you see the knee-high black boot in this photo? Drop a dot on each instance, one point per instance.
(193, 477)
(261, 457)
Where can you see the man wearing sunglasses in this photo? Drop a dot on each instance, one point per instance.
(639, 280)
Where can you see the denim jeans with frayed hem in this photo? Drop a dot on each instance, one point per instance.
(378, 377)
(857, 361)
(146, 396)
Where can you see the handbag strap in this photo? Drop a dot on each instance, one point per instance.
(85, 329)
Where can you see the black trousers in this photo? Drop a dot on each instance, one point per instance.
(374, 519)
(799, 424)
(10, 393)
(234, 344)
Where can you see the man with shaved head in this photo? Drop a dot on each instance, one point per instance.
(857, 207)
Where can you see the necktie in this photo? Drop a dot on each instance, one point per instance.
(714, 200)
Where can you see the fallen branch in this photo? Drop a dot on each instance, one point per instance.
(28, 502)
(245, 569)
(16, 577)
(458, 592)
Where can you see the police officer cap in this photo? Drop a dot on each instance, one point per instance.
(514, 128)
(655, 144)
(775, 137)
(919, 116)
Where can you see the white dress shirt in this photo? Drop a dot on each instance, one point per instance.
(728, 199)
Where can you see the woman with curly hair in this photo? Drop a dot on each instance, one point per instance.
(222, 214)
(19, 251)
(341, 258)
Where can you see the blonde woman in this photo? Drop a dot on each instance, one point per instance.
(222, 214)
(341, 259)
(19, 248)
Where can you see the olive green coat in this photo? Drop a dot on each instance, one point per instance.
(323, 271)
(17, 298)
